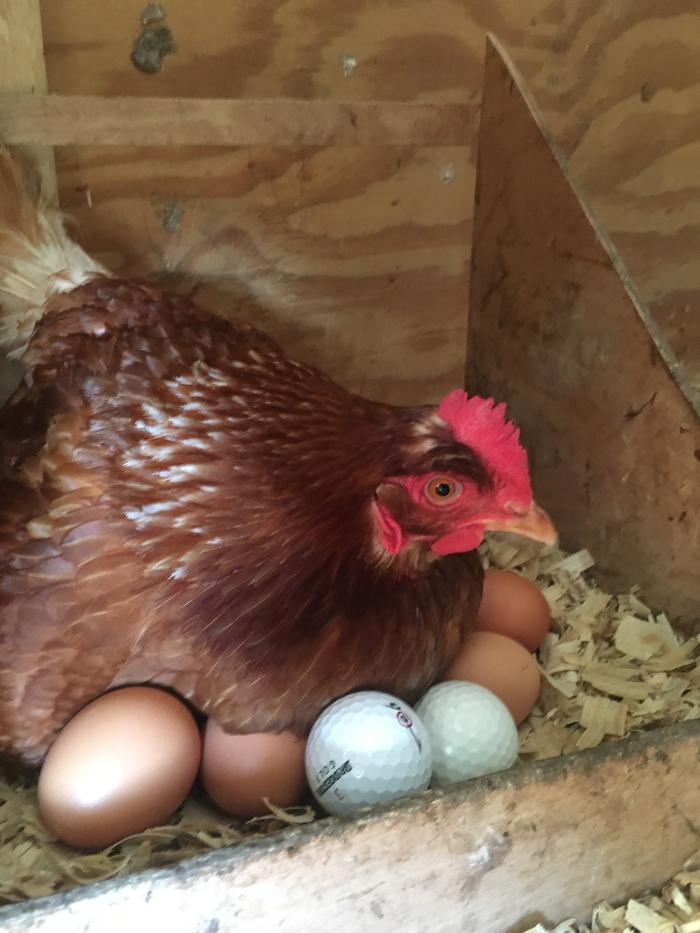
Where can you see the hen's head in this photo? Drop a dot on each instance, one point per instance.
(464, 473)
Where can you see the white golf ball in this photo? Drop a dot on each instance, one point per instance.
(471, 731)
(364, 749)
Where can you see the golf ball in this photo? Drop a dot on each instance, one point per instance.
(364, 749)
(471, 731)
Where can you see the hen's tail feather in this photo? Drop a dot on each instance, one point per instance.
(37, 258)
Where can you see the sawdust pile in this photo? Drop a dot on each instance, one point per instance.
(610, 667)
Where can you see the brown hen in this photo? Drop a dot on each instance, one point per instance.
(181, 504)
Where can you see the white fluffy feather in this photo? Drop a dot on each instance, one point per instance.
(37, 259)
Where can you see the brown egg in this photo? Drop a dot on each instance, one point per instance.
(125, 762)
(513, 606)
(502, 666)
(239, 770)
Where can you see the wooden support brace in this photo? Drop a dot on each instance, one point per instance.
(154, 121)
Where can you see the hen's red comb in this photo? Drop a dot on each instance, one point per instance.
(481, 424)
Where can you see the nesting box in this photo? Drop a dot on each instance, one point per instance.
(344, 229)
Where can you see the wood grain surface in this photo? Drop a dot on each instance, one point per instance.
(612, 429)
(361, 258)
(541, 843)
(620, 91)
(22, 69)
(348, 256)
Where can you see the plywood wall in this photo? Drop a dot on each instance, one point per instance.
(358, 258)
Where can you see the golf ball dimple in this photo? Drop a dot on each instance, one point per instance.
(471, 731)
(367, 748)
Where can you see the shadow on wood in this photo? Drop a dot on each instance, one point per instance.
(557, 330)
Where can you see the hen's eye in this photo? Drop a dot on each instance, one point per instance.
(441, 490)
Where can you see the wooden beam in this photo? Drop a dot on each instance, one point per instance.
(22, 69)
(557, 329)
(542, 842)
(150, 121)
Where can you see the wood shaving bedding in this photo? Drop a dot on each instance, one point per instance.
(610, 666)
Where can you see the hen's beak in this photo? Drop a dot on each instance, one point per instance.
(535, 524)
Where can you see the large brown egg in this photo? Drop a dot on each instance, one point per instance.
(515, 607)
(239, 770)
(502, 666)
(125, 762)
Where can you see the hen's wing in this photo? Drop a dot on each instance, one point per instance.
(68, 596)
(76, 593)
